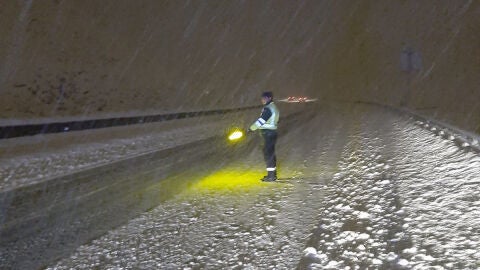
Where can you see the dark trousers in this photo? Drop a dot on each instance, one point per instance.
(269, 139)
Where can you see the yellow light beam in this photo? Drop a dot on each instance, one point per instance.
(236, 135)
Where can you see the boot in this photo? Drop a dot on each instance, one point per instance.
(270, 177)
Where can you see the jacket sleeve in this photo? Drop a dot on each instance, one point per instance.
(266, 114)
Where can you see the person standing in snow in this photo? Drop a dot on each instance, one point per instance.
(267, 124)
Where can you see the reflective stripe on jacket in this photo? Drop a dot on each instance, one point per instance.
(268, 119)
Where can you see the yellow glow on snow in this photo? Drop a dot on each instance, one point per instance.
(235, 135)
(230, 179)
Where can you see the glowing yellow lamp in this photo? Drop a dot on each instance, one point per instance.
(236, 135)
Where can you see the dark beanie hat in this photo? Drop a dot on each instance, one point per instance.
(267, 94)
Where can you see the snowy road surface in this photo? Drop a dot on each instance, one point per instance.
(44, 165)
(362, 188)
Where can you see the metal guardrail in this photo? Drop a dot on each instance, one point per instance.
(67, 126)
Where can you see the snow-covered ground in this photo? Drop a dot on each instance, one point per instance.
(441, 198)
(403, 198)
(363, 189)
(228, 220)
(43, 165)
(206, 229)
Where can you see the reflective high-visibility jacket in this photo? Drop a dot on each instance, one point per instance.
(268, 119)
